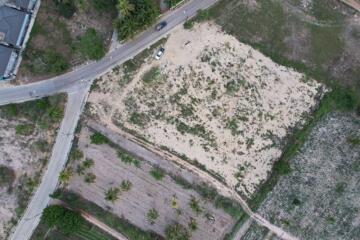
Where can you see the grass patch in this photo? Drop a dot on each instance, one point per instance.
(91, 45)
(45, 61)
(152, 75)
(7, 176)
(24, 129)
(127, 158)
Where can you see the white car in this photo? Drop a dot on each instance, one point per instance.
(159, 53)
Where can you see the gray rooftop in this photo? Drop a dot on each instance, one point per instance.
(12, 25)
(5, 60)
(25, 4)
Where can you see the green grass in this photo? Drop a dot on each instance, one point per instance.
(152, 75)
(91, 45)
(24, 129)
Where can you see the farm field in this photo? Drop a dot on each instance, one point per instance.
(145, 195)
(216, 102)
(27, 133)
(320, 196)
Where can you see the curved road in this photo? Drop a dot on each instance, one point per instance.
(95, 69)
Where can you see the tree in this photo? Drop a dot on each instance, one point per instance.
(152, 215)
(176, 232)
(112, 194)
(125, 8)
(192, 224)
(66, 220)
(194, 205)
(131, 21)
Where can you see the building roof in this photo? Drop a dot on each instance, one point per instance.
(25, 4)
(6, 55)
(12, 25)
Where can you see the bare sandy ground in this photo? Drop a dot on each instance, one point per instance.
(213, 99)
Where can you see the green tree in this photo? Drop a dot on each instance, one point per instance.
(125, 8)
(152, 215)
(67, 221)
(65, 175)
(112, 194)
(135, 18)
(176, 232)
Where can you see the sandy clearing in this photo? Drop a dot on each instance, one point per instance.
(240, 104)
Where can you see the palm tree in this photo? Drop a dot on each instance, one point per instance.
(125, 7)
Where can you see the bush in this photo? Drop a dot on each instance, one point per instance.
(66, 8)
(91, 45)
(66, 220)
(24, 129)
(172, 3)
(98, 138)
(194, 205)
(157, 173)
(7, 176)
(45, 62)
(176, 232)
(112, 194)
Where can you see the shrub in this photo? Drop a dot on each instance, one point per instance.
(98, 138)
(66, 8)
(192, 224)
(125, 185)
(90, 178)
(24, 129)
(194, 205)
(172, 3)
(7, 176)
(157, 173)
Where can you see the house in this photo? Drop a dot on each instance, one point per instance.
(8, 57)
(13, 26)
(16, 18)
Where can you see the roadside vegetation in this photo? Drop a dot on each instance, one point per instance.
(66, 34)
(58, 222)
(130, 231)
(134, 16)
(27, 133)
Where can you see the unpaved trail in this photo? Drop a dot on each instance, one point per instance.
(94, 221)
(150, 153)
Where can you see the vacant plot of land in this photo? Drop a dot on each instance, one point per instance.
(27, 133)
(212, 99)
(63, 36)
(319, 37)
(144, 195)
(319, 199)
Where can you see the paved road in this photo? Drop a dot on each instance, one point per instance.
(31, 217)
(95, 69)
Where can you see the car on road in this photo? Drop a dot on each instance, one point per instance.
(159, 53)
(161, 25)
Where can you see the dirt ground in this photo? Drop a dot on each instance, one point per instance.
(319, 199)
(26, 157)
(212, 99)
(146, 193)
(53, 31)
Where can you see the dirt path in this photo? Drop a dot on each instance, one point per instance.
(102, 226)
(150, 153)
(352, 3)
